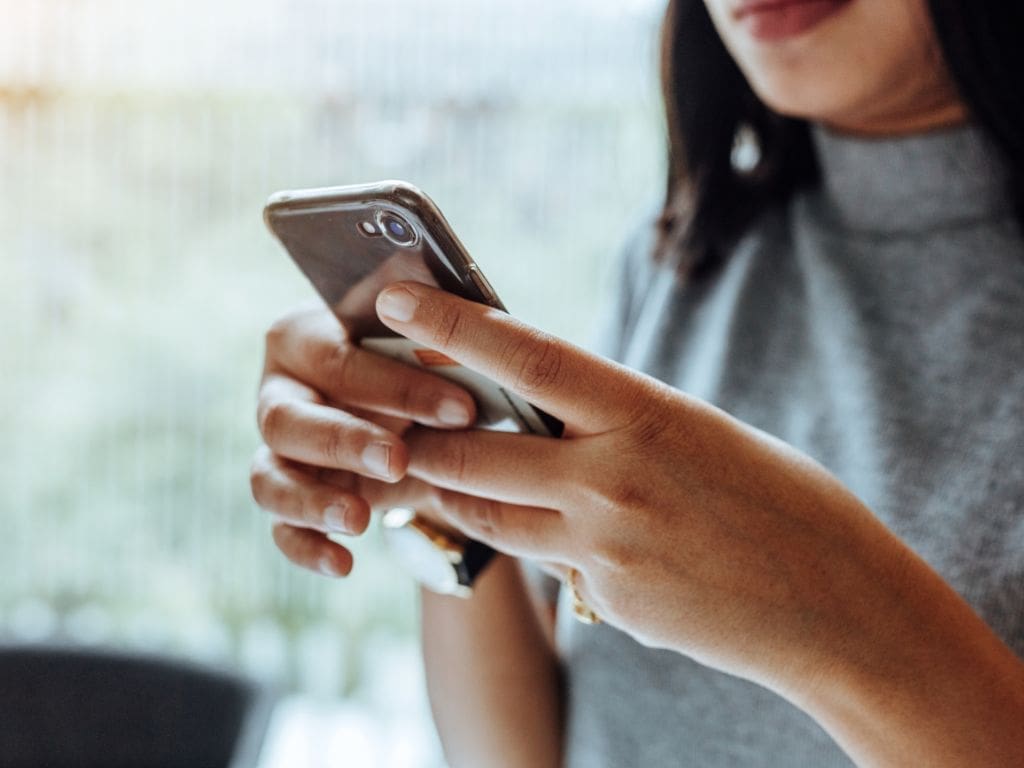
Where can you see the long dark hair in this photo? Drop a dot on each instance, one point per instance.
(709, 204)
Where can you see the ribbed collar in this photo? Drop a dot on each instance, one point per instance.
(946, 178)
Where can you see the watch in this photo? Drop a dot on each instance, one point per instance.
(441, 561)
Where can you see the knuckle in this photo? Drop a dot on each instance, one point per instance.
(280, 535)
(285, 540)
(535, 364)
(408, 397)
(286, 504)
(613, 555)
(620, 491)
(283, 331)
(277, 335)
(448, 327)
(258, 483)
(272, 418)
(289, 505)
(487, 518)
(458, 464)
(647, 432)
(334, 446)
(454, 461)
(310, 512)
(440, 501)
(274, 497)
(334, 360)
(259, 464)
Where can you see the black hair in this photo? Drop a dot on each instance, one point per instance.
(709, 203)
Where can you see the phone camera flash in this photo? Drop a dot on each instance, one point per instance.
(369, 228)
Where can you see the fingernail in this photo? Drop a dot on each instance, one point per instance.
(326, 566)
(453, 413)
(377, 459)
(396, 303)
(334, 518)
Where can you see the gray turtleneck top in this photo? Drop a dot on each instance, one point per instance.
(877, 324)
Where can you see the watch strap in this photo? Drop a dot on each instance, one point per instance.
(475, 557)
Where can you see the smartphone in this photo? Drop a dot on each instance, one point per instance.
(352, 241)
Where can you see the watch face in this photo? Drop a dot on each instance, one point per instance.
(421, 557)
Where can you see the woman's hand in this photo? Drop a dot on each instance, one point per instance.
(690, 530)
(332, 416)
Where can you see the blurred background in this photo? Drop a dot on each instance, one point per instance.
(138, 142)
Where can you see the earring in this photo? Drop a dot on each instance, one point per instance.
(746, 150)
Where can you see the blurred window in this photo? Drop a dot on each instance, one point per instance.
(138, 142)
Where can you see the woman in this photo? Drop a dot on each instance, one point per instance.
(851, 283)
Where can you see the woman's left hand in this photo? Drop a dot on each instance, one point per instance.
(689, 529)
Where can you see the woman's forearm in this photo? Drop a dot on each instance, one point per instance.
(925, 682)
(492, 675)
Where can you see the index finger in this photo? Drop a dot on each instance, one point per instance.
(314, 347)
(549, 372)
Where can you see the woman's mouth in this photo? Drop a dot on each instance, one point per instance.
(771, 20)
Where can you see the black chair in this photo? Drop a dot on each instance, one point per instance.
(71, 708)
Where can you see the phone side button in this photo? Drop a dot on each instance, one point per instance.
(478, 280)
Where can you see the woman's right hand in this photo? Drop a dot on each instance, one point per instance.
(332, 416)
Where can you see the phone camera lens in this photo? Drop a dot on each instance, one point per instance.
(396, 229)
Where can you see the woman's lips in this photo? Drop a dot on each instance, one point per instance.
(769, 20)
